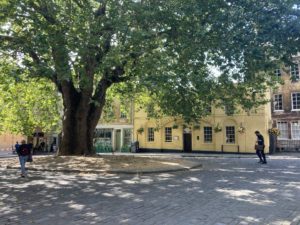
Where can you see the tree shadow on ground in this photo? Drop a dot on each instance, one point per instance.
(228, 191)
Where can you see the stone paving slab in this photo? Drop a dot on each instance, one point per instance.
(230, 191)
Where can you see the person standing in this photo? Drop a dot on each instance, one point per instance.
(23, 153)
(260, 147)
(16, 147)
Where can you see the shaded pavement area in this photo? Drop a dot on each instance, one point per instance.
(129, 163)
(224, 191)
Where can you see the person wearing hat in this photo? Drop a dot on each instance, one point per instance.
(260, 147)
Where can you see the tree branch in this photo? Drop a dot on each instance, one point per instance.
(101, 10)
(39, 64)
(115, 76)
(99, 100)
(104, 50)
(6, 38)
(79, 3)
(43, 10)
(34, 57)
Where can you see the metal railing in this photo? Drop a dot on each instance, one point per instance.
(288, 145)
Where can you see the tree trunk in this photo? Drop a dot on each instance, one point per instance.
(77, 137)
(80, 119)
(78, 131)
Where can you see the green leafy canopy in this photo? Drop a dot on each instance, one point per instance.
(168, 49)
(27, 103)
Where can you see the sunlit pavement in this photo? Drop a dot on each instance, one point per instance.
(7, 154)
(225, 191)
(10, 154)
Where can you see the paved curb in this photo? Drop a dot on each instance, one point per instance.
(221, 156)
(186, 155)
(183, 168)
(8, 156)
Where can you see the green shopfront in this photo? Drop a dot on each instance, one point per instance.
(113, 138)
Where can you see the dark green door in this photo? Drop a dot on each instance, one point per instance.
(187, 142)
(118, 140)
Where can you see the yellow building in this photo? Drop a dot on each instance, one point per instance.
(215, 133)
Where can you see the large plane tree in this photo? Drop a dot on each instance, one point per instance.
(170, 49)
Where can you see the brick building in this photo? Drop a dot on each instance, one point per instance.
(286, 107)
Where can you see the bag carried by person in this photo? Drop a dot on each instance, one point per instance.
(259, 147)
(29, 159)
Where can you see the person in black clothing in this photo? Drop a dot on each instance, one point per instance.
(16, 147)
(260, 147)
(23, 153)
(52, 146)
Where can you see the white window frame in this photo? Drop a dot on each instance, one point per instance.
(284, 133)
(123, 115)
(168, 134)
(207, 134)
(295, 130)
(230, 135)
(292, 101)
(150, 137)
(295, 71)
(277, 72)
(275, 101)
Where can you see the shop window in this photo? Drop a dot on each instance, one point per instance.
(103, 136)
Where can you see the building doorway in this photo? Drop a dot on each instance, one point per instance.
(187, 140)
(118, 140)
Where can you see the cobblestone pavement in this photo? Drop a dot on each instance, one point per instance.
(225, 191)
